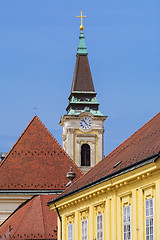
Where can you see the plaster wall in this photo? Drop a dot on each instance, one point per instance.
(9, 203)
(109, 198)
(74, 136)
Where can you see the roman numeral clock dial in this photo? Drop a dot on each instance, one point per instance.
(85, 123)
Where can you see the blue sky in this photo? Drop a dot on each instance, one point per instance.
(38, 43)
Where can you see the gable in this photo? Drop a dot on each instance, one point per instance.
(36, 161)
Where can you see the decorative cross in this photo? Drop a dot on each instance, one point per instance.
(81, 27)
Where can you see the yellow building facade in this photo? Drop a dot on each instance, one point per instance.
(110, 199)
(123, 204)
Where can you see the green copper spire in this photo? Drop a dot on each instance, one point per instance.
(82, 49)
(83, 95)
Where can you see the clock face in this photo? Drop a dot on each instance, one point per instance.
(85, 123)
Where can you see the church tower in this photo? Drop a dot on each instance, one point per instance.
(83, 124)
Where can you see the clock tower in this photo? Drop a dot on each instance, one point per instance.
(83, 128)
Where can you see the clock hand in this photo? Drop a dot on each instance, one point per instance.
(85, 122)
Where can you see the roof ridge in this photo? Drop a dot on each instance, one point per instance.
(18, 139)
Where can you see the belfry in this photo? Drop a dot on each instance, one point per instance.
(83, 128)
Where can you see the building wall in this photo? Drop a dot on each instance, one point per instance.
(109, 198)
(9, 202)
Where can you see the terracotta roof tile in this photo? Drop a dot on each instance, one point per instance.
(36, 161)
(142, 144)
(32, 220)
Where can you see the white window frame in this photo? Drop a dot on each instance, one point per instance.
(70, 231)
(85, 229)
(127, 232)
(100, 227)
(149, 213)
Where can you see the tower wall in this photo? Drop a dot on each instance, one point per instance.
(74, 136)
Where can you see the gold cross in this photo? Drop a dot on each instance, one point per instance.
(81, 27)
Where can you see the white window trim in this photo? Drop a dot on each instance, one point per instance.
(85, 235)
(149, 217)
(127, 223)
(101, 230)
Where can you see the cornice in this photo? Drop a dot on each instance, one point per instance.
(112, 185)
(78, 117)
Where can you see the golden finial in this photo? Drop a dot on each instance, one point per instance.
(81, 27)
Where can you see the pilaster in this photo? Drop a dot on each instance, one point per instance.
(93, 157)
(70, 138)
(141, 214)
(134, 215)
(107, 224)
(113, 218)
(100, 144)
(63, 228)
(90, 227)
(76, 227)
(119, 218)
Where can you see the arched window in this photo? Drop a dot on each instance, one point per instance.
(85, 155)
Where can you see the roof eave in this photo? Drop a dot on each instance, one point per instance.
(126, 169)
(31, 192)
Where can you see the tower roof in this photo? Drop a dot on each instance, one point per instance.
(36, 162)
(82, 78)
(83, 95)
(31, 220)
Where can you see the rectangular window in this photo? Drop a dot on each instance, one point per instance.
(127, 222)
(149, 219)
(70, 231)
(84, 229)
(100, 227)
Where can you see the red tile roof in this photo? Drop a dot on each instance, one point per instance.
(142, 144)
(32, 220)
(36, 161)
